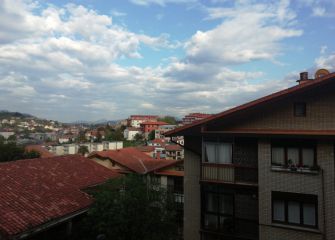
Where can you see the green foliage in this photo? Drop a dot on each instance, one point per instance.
(83, 150)
(114, 134)
(138, 137)
(151, 135)
(129, 208)
(127, 143)
(10, 152)
(168, 119)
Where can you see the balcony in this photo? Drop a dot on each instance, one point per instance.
(234, 229)
(229, 173)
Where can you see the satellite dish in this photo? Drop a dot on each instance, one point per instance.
(321, 72)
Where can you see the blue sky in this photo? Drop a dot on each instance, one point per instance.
(95, 59)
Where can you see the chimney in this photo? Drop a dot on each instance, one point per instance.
(303, 78)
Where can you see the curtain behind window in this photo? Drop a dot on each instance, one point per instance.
(224, 153)
(210, 152)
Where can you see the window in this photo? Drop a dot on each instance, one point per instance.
(294, 209)
(300, 109)
(303, 156)
(218, 212)
(218, 153)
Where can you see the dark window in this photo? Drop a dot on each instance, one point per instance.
(300, 109)
(300, 155)
(218, 212)
(294, 209)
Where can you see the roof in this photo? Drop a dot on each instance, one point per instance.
(256, 103)
(173, 147)
(134, 159)
(170, 173)
(38, 191)
(40, 149)
(146, 148)
(142, 116)
(134, 129)
(154, 123)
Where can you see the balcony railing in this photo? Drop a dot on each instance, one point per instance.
(235, 229)
(229, 173)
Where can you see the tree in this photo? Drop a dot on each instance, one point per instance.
(151, 135)
(138, 137)
(83, 150)
(168, 119)
(129, 208)
(10, 152)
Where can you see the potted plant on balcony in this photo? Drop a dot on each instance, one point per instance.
(291, 165)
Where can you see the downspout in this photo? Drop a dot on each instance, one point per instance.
(323, 205)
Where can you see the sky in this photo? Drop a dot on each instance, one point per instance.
(108, 59)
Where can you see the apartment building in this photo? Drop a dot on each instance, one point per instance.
(147, 127)
(136, 120)
(193, 117)
(265, 169)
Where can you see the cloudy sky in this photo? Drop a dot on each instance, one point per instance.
(107, 59)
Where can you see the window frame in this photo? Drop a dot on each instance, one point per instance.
(300, 148)
(216, 143)
(295, 197)
(296, 106)
(218, 214)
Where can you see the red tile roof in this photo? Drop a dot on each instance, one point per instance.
(40, 149)
(146, 148)
(154, 123)
(133, 159)
(37, 191)
(269, 98)
(173, 147)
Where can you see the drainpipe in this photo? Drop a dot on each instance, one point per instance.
(323, 205)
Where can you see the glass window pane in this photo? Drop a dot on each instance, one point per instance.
(210, 152)
(293, 212)
(308, 156)
(212, 202)
(309, 214)
(278, 210)
(226, 204)
(293, 155)
(278, 156)
(211, 221)
(226, 224)
(224, 153)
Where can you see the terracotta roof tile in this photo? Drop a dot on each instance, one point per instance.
(40, 149)
(36, 191)
(134, 159)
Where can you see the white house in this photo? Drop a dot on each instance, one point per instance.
(129, 133)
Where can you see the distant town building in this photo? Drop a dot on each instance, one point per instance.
(159, 132)
(130, 132)
(136, 120)
(147, 127)
(6, 134)
(193, 117)
(73, 148)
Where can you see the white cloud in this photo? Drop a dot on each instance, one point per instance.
(326, 61)
(319, 12)
(248, 32)
(67, 81)
(160, 2)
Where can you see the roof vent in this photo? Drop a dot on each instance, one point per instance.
(303, 78)
(321, 72)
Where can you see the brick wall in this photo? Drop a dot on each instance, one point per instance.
(320, 114)
(297, 183)
(192, 207)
